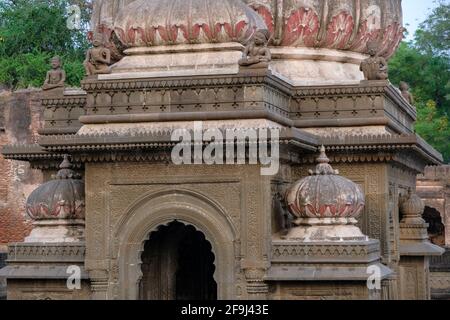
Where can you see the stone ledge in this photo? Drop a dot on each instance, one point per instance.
(33, 272)
(441, 263)
(324, 273)
(420, 249)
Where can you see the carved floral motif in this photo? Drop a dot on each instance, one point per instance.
(154, 22)
(342, 25)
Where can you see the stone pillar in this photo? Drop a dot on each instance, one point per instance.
(326, 256)
(99, 284)
(55, 248)
(415, 250)
(257, 289)
(389, 288)
(58, 208)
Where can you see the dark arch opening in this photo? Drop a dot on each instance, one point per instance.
(436, 228)
(178, 264)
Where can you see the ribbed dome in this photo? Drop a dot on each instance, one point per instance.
(333, 24)
(411, 208)
(61, 198)
(169, 22)
(325, 194)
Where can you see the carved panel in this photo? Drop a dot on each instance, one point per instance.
(61, 115)
(112, 190)
(414, 283)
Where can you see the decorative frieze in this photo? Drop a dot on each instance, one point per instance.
(285, 251)
(61, 114)
(45, 253)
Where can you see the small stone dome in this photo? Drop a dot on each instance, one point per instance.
(325, 194)
(61, 198)
(411, 208)
(146, 23)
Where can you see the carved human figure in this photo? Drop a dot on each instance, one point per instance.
(257, 54)
(55, 77)
(404, 88)
(98, 58)
(374, 67)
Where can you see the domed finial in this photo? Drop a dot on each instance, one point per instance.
(323, 167)
(410, 192)
(412, 207)
(65, 170)
(323, 156)
(66, 163)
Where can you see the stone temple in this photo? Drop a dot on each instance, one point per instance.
(306, 82)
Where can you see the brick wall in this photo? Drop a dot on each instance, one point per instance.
(20, 116)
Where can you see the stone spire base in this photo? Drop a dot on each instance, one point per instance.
(57, 231)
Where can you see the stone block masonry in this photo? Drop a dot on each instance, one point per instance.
(20, 118)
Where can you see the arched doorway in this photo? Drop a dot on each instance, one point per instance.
(177, 264)
(436, 228)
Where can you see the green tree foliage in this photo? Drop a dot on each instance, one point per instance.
(424, 63)
(433, 35)
(31, 32)
(434, 127)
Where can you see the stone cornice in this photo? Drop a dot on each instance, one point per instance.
(26, 152)
(301, 146)
(386, 143)
(67, 100)
(187, 81)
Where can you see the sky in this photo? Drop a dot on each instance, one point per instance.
(415, 12)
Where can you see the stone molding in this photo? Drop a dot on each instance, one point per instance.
(155, 146)
(357, 252)
(61, 115)
(441, 263)
(45, 253)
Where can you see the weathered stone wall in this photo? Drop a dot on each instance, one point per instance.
(20, 118)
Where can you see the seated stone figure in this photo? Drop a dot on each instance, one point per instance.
(256, 54)
(56, 77)
(374, 67)
(98, 58)
(404, 89)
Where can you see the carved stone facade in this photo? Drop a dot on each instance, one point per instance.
(118, 132)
